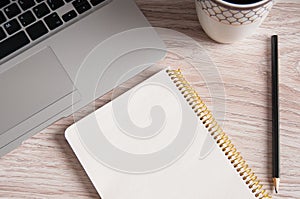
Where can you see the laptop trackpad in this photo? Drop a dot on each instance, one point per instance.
(31, 86)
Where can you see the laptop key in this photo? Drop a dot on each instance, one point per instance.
(53, 21)
(12, 26)
(55, 4)
(81, 6)
(41, 10)
(2, 34)
(4, 3)
(26, 18)
(2, 17)
(13, 43)
(12, 10)
(96, 2)
(26, 4)
(69, 15)
(37, 30)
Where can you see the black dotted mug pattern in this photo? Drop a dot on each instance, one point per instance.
(234, 16)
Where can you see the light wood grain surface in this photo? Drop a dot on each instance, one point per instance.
(45, 166)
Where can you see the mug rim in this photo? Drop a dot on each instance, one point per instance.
(241, 6)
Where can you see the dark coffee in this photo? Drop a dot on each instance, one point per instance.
(242, 1)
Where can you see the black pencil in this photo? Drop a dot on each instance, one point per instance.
(275, 113)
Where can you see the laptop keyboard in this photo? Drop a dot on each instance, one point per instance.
(24, 22)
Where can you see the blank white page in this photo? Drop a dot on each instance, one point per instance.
(189, 175)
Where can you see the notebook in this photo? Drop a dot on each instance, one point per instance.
(159, 140)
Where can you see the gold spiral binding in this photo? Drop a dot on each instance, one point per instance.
(218, 134)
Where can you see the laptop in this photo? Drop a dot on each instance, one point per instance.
(56, 56)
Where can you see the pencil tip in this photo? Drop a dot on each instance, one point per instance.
(276, 184)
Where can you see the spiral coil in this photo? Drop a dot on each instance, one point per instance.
(218, 134)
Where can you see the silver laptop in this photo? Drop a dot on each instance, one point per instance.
(56, 56)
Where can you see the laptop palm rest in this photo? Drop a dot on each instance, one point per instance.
(32, 97)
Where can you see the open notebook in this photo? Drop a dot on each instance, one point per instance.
(159, 141)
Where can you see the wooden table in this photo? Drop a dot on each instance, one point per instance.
(45, 166)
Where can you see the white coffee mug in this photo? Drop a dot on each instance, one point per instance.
(227, 22)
